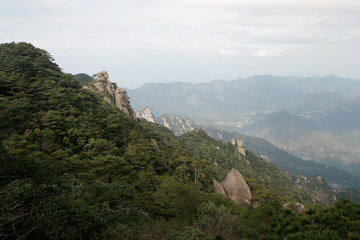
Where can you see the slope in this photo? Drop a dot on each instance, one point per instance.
(337, 178)
(74, 166)
(303, 138)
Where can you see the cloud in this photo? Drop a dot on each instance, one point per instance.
(251, 30)
(225, 52)
(269, 53)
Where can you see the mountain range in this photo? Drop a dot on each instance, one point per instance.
(232, 103)
(327, 135)
(313, 118)
(336, 178)
(76, 163)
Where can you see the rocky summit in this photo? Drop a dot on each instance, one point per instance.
(175, 123)
(111, 93)
(146, 114)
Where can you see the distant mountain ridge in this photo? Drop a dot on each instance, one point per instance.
(315, 102)
(220, 101)
(335, 177)
(330, 134)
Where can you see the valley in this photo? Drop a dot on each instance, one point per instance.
(312, 118)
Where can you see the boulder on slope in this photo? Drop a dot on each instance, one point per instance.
(218, 187)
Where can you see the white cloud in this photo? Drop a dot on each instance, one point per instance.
(225, 52)
(214, 28)
(269, 53)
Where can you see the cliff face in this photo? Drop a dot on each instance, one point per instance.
(175, 123)
(111, 93)
(317, 186)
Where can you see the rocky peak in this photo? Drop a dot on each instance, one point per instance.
(177, 124)
(111, 93)
(146, 114)
(103, 75)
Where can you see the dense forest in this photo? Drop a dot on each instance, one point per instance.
(73, 166)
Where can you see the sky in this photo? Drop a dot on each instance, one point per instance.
(141, 41)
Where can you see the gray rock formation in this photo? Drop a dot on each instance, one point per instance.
(289, 175)
(177, 124)
(316, 186)
(122, 102)
(153, 143)
(234, 186)
(240, 147)
(218, 187)
(111, 93)
(146, 114)
(103, 75)
(297, 207)
(240, 142)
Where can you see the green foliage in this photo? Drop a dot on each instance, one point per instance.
(175, 197)
(351, 193)
(339, 222)
(266, 181)
(75, 167)
(83, 77)
(214, 220)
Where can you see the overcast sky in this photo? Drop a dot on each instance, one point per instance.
(140, 41)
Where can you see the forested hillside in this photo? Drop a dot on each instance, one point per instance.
(73, 166)
(336, 178)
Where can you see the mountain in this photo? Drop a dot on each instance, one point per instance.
(346, 87)
(175, 123)
(146, 114)
(201, 101)
(234, 103)
(337, 178)
(281, 128)
(302, 138)
(74, 165)
(327, 136)
(314, 103)
(343, 118)
(317, 186)
(320, 122)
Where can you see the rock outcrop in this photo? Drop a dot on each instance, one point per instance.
(153, 143)
(297, 207)
(234, 186)
(218, 187)
(177, 124)
(240, 147)
(103, 75)
(316, 186)
(146, 114)
(111, 93)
